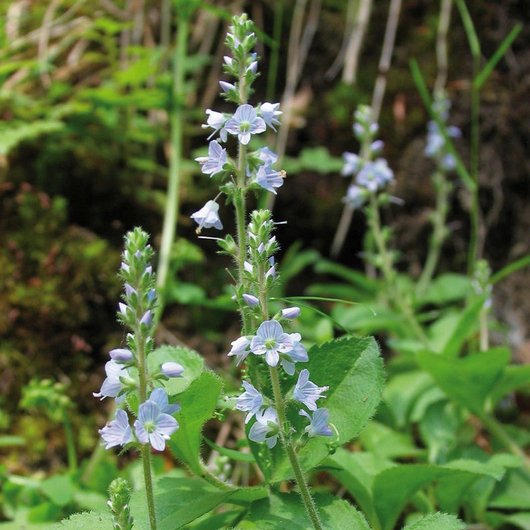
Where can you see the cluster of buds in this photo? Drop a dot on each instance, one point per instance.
(436, 147)
(127, 373)
(371, 174)
(246, 122)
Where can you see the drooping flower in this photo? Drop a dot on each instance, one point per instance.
(375, 175)
(159, 396)
(112, 385)
(318, 423)
(268, 178)
(172, 369)
(270, 113)
(208, 216)
(266, 428)
(216, 159)
(244, 123)
(249, 401)
(298, 354)
(216, 120)
(270, 340)
(154, 426)
(307, 392)
(352, 164)
(117, 431)
(240, 349)
(355, 196)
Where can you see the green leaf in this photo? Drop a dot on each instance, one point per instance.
(513, 492)
(468, 380)
(59, 489)
(512, 378)
(356, 278)
(519, 520)
(192, 362)
(353, 369)
(510, 268)
(197, 405)
(11, 441)
(287, 510)
(466, 325)
(83, 521)
(13, 134)
(437, 521)
(216, 521)
(386, 443)
(235, 455)
(447, 288)
(178, 501)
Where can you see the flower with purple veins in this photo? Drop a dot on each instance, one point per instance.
(270, 113)
(216, 120)
(352, 164)
(112, 384)
(271, 341)
(266, 428)
(159, 396)
(117, 431)
(318, 424)
(154, 426)
(268, 178)
(297, 355)
(240, 349)
(244, 123)
(307, 392)
(208, 216)
(249, 401)
(216, 159)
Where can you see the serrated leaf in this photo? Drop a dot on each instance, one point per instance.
(83, 521)
(178, 501)
(467, 380)
(197, 405)
(437, 521)
(287, 510)
(386, 443)
(513, 378)
(59, 489)
(446, 288)
(192, 362)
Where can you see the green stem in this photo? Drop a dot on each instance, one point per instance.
(438, 234)
(146, 460)
(175, 158)
(303, 487)
(212, 479)
(70, 443)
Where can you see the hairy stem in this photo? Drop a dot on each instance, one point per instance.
(70, 443)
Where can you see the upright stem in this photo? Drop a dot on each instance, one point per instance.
(175, 157)
(70, 443)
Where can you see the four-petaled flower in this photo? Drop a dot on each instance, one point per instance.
(159, 396)
(375, 175)
(112, 384)
(268, 178)
(240, 349)
(117, 431)
(298, 354)
(352, 164)
(270, 340)
(244, 123)
(249, 401)
(154, 426)
(216, 159)
(270, 113)
(307, 392)
(266, 428)
(208, 216)
(355, 196)
(216, 120)
(318, 424)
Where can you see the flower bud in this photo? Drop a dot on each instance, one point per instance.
(121, 355)
(172, 369)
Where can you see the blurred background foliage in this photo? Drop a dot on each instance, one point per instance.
(86, 102)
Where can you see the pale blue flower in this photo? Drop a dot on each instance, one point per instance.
(291, 312)
(121, 355)
(352, 164)
(226, 86)
(307, 392)
(298, 354)
(267, 156)
(249, 401)
(318, 424)
(376, 146)
(159, 396)
(240, 349)
(172, 369)
(216, 120)
(270, 340)
(270, 113)
(208, 216)
(147, 318)
(216, 159)
(436, 145)
(112, 384)
(268, 178)
(374, 175)
(266, 428)
(355, 196)
(250, 300)
(117, 431)
(154, 426)
(244, 123)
